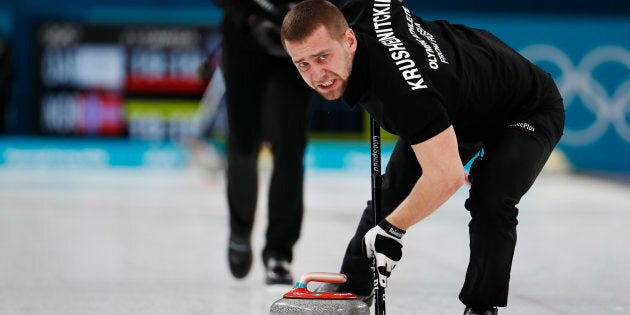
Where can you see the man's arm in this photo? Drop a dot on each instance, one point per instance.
(442, 175)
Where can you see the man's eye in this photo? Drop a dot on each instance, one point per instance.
(323, 57)
(302, 66)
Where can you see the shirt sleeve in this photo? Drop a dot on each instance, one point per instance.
(418, 117)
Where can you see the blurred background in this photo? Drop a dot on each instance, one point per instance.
(112, 192)
(96, 83)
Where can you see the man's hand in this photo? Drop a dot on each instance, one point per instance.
(384, 243)
(267, 33)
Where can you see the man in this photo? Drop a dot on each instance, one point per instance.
(266, 100)
(447, 91)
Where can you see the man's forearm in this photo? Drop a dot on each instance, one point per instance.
(442, 176)
(427, 195)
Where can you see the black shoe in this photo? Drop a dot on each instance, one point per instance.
(239, 256)
(336, 287)
(481, 311)
(277, 271)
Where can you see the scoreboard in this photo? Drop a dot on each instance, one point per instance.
(137, 81)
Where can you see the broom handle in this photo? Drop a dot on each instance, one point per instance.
(375, 144)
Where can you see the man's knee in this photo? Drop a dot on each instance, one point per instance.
(492, 211)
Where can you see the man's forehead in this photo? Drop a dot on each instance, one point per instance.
(315, 44)
(319, 33)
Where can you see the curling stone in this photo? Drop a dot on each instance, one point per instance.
(301, 301)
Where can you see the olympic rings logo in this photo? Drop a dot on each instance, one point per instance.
(578, 82)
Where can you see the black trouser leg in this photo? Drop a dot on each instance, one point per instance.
(244, 79)
(510, 164)
(288, 100)
(512, 161)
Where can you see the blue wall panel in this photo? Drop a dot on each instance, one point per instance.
(6, 21)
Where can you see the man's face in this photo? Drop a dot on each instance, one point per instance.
(324, 62)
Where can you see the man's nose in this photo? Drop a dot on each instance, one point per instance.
(319, 73)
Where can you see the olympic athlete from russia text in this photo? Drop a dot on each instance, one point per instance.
(447, 91)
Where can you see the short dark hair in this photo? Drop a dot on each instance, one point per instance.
(307, 15)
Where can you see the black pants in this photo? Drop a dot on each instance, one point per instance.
(512, 159)
(266, 100)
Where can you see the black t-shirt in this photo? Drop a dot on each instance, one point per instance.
(416, 77)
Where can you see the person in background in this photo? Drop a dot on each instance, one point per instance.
(266, 101)
(447, 90)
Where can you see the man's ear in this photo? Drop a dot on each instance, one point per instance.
(351, 40)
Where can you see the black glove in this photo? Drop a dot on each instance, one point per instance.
(384, 243)
(267, 34)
